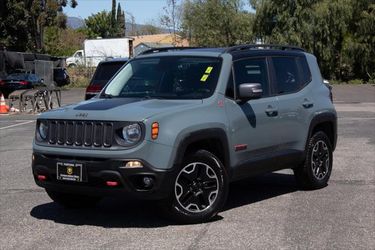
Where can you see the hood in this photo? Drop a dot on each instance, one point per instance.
(119, 109)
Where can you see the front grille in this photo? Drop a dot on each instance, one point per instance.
(80, 133)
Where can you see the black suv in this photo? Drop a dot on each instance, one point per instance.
(103, 73)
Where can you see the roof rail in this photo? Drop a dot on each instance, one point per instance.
(165, 49)
(264, 46)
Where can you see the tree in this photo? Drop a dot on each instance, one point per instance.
(107, 24)
(63, 42)
(359, 42)
(131, 20)
(100, 25)
(14, 26)
(149, 29)
(113, 14)
(216, 22)
(338, 32)
(120, 22)
(23, 22)
(170, 18)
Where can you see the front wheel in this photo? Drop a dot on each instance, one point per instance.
(317, 168)
(200, 189)
(73, 200)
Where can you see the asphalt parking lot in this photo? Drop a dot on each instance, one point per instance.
(267, 212)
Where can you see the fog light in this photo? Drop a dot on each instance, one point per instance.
(148, 182)
(133, 164)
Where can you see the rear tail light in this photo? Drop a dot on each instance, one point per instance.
(331, 95)
(2, 82)
(94, 88)
(24, 82)
(41, 177)
(111, 183)
(326, 82)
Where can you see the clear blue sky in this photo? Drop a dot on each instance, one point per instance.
(143, 10)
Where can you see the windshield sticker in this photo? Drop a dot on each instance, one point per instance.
(204, 78)
(207, 73)
(209, 69)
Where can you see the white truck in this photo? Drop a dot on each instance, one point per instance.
(97, 50)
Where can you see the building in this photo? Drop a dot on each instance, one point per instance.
(144, 42)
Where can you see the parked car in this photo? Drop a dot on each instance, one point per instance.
(61, 77)
(103, 73)
(179, 126)
(18, 81)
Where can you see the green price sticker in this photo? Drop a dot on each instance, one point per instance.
(204, 78)
(208, 70)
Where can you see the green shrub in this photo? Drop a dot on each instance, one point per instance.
(79, 77)
(355, 81)
(335, 82)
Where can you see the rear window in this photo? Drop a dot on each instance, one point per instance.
(106, 71)
(292, 73)
(17, 77)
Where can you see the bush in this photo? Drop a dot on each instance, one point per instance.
(80, 77)
(355, 81)
(335, 82)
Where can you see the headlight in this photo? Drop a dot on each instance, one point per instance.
(132, 133)
(43, 130)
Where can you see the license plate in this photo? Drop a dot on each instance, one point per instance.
(69, 171)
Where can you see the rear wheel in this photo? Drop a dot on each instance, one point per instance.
(200, 189)
(73, 200)
(317, 168)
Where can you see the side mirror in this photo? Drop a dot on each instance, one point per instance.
(248, 91)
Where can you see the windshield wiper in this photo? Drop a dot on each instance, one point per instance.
(146, 97)
(107, 96)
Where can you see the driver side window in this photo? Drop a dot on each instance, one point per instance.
(252, 71)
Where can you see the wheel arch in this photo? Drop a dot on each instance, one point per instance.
(213, 140)
(327, 123)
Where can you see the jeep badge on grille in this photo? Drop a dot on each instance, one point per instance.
(82, 115)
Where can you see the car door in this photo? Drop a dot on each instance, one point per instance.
(252, 124)
(291, 74)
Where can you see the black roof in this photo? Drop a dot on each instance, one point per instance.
(114, 60)
(238, 51)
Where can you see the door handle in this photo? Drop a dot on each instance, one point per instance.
(272, 111)
(307, 104)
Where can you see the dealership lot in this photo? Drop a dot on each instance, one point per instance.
(266, 212)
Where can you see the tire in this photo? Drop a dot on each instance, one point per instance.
(316, 170)
(73, 200)
(200, 189)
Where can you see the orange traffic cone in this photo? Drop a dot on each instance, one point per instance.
(4, 109)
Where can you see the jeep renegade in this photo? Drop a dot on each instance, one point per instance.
(178, 125)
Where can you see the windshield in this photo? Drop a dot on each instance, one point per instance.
(174, 77)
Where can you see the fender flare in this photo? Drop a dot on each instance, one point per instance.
(321, 118)
(210, 133)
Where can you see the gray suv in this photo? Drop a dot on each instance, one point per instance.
(178, 125)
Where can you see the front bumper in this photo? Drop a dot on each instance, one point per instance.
(97, 171)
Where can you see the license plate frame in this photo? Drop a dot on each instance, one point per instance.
(69, 171)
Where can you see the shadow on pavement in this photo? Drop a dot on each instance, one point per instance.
(113, 213)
